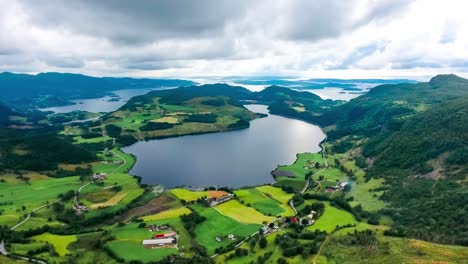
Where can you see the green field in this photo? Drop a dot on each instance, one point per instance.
(59, 242)
(218, 225)
(130, 250)
(242, 213)
(390, 250)
(259, 201)
(331, 218)
(304, 163)
(276, 193)
(127, 243)
(31, 195)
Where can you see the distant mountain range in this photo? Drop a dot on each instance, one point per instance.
(24, 91)
(311, 84)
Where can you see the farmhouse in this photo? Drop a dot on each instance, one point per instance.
(80, 209)
(218, 200)
(154, 243)
(99, 176)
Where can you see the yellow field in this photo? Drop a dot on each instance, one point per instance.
(275, 193)
(242, 213)
(112, 201)
(188, 195)
(60, 243)
(299, 108)
(176, 212)
(166, 119)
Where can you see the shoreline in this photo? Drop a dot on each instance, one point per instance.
(140, 178)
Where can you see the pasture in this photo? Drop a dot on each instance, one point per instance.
(242, 213)
(171, 213)
(331, 218)
(259, 201)
(59, 242)
(217, 225)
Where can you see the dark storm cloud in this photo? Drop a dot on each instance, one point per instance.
(136, 22)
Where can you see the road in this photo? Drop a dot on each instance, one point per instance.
(75, 201)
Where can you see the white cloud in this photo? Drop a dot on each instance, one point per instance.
(325, 38)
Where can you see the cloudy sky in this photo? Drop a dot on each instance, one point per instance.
(186, 38)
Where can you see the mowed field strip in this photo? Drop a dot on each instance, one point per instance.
(112, 201)
(242, 213)
(279, 195)
(171, 213)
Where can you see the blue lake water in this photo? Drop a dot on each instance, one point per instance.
(235, 159)
(102, 104)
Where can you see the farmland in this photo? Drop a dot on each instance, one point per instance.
(259, 201)
(242, 213)
(331, 218)
(60, 243)
(217, 225)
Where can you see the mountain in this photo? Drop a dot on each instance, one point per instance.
(23, 91)
(385, 107)
(414, 137)
(284, 101)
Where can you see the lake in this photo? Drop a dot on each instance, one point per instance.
(102, 104)
(234, 159)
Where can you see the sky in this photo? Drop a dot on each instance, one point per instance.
(205, 38)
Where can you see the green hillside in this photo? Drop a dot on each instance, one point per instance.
(24, 91)
(182, 111)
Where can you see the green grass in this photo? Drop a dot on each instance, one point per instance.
(361, 189)
(331, 218)
(129, 250)
(127, 244)
(128, 238)
(279, 195)
(257, 251)
(242, 213)
(31, 195)
(260, 201)
(296, 183)
(59, 242)
(120, 177)
(219, 225)
(390, 250)
(304, 163)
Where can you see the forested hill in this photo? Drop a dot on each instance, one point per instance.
(386, 107)
(179, 95)
(21, 91)
(302, 105)
(415, 137)
(5, 113)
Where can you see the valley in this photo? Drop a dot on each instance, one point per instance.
(82, 197)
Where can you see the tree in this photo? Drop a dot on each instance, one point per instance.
(317, 165)
(263, 242)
